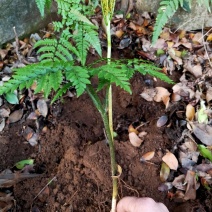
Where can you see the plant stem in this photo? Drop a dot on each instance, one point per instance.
(93, 95)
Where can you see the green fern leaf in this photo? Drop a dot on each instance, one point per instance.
(61, 91)
(166, 10)
(41, 6)
(78, 76)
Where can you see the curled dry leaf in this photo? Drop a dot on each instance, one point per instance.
(161, 93)
(134, 139)
(15, 116)
(42, 107)
(162, 121)
(191, 185)
(170, 160)
(179, 182)
(203, 132)
(164, 172)
(175, 97)
(148, 156)
(190, 112)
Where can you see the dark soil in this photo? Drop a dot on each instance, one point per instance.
(74, 150)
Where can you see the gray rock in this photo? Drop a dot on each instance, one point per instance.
(24, 15)
(194, 20)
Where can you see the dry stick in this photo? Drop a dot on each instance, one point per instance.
(54, 178)
(17, 45)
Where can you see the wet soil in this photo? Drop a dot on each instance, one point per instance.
(74, 151)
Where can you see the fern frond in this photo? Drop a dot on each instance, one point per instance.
(55, 50)
(145, 67)
(78, 76)
(61, 91)
(48, 76)
(42, 4)
(113, 73)
(166, 10)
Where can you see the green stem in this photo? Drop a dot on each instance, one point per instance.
(93, 95)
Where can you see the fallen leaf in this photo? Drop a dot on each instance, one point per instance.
(179, 182)
(28, 133)
(12, 98)
(162, 121)
(160, 94)
(148, 94)
(164, 172)
(4, 112)
(170, 160)
(190, 112)
(42, 107)
(134, 139)
(148, 156)
(15, 116)
(190, 179)
(34, 139)
(165, 186)
(198, 38)
(203, 132)
(172, 54)
(202, 116)
(132, 129)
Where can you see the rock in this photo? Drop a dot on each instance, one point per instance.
(193, 20)
(24, 15)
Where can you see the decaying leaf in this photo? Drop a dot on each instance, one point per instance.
(203, 132)
(148, 94)
(164, 172)
(4, 112)
(190, 179)
(179, 182)
(42, 107)
(15, 116)
(134, 139)
(148, 156)
(170, 160)
(190, 112)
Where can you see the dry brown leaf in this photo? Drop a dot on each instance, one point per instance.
(119, 33)
(190, 179)
(197, 70)
(132, 129)
(160, 94)
(4, 112)
(148, 156)
(174, 56)
(175, 97)
(2, 124)
(164, 172)
(134, 139)
(15, 116)
(209, 38)
(198, 38)
(179, 182)
(148, 94)
(3, 53)
(203, 132)
(42, 107)
(28, 133)
(170, 160)
(166, 100)
(190, 112)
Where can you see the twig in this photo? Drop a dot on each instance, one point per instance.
(17, 45)
(54, 178)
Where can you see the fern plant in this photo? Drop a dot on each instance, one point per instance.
(63, 65)
(168, 8)
(42, 4)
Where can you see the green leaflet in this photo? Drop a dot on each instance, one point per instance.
(42, 4)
